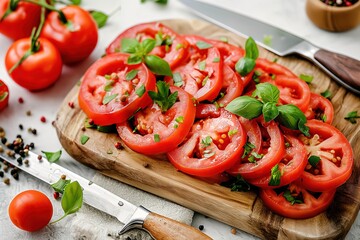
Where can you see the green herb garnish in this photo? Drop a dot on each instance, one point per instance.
(52, 156)
(163, 98)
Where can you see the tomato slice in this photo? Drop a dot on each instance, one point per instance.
(212, 146)
(174, 52)
(320, 108)
(291, 165)
(202, 74)
(158, 132)
(259, 163)
(4, 95)
(272, 68)
(230, 53)
(310, 204)
(336, 157)
(107, 97)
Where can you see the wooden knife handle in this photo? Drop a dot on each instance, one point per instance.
(344, 67)
(163, 228)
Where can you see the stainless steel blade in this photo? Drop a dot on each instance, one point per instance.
(94, 195)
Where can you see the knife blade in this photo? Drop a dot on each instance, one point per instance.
(343, 69)
(131, 216)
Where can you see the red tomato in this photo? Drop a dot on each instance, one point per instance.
(212, 146)
(106, 79)
(202, 74)
(4, 95)
(320, 108)
(204, 110)
(336, 157)
(173, 53)
(232, 86)
(40, 70)
(310, 206)
(271, 151)
(171, 127)
(272, 68)
(230, 53)
(76, 39)
(291, 165)
(21, 21)
(30, 210)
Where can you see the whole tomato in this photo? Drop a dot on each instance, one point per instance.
(39, 70)
(20, 22)
(75, 39)
(4, 95)
(30, 210)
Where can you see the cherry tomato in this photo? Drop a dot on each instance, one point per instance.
(320, 108)
(212, 146)
(335, 153)
(4, 95)
(170, 127)
(19, 23)
(75, 39)
(107, 97)
(30, 210)
(40, 70)
(291, 165)
(304, 204)
(171, 46)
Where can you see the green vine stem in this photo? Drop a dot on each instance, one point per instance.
(62, 17)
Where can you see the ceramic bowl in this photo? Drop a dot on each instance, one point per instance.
(332, 18)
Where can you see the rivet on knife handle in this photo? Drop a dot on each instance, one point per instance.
(163, 228)
(344, 67)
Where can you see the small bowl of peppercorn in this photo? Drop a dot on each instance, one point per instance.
(334, 15)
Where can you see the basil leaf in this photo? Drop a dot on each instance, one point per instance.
(275, 176)
(293, 118)
(162, 97)
(270, 111)
(244, 66)
(75, 2)
(237, 184)
(106, 129)
(245, 106)
(131, 75)
(267, 40)
(180, 119)
(205, 142)
(109, 98)
(52, 156)
(134, 59)
(84, 139)
(129, 45)
(326, 94)
(148, 45)
(287, 195)
(156, 138)
(307, 78)
(352, 116)
(313, 160)
(267, 92)
(99, 17)
(216, 60)
(140, 91)
(178, 81)
(224, 39)
(60, 185)
(251, 49)
(108, 85)
(158, 65)
(248, 147)
(203, 45)
(202, 65)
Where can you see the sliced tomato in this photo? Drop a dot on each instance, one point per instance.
(304, 204)
(272, 68)
(202, 74)
(336, 157)
(204, 110)
(320, 108)
(4, 95)
(107, 97)
(291, 165)
(158, 132)
(230, 53)
(174, 52)
(259, 163)
(212, 146)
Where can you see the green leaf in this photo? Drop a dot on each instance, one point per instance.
(108, 85)
(106, 129)
(287, 195)
(307, 78)
(179, 46)
(352, 116)
(60, 185)
(224, 39)
(99, 17)
(156, 138)
(161, 40)
(84, 139)
(267, 92)
(162, 2)
(203, 45)
(216, 60)
(178, 81)
(251, 49)
(254, 155)
(75, 2)
(293, 118)
(131, 74)
(246, 107)
(140, 90)
(237, 184)
(3, 96)
(270, 111)
(314, 160)
(179, 119)
(232, 132)
(204, 81)
(267, 40)
(52, 156)
(244, 66)
(129, 45)
(248, 147)
(202, 65)
(109, 98)
(158, 65)
(163, 98)
(148, 45)
(205, 142)
(275, 176)
(134, 59)
(326, 94)
(256, 76)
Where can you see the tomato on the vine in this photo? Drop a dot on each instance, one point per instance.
(39, 70)
(30, 210)
(21, 21)
(75, 39)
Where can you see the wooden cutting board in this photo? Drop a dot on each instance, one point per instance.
(241, 210)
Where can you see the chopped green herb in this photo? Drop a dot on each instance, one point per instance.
(275, 176)
(178, 81)
(224, 39)
(84, 139)
(352, 116)
(156, 138)
(108, 85)
(202, 65)
(307, 78)
(163, 98)
(323, 117)
(275, 60)
(179, 119)
(254, 156)
(131, 74)
(326, 94)
(141, 90)
(203, 45)
(248, 147)
(287, 144)
(237, 184)
(267, 40)
(109, 98)
(205, 142)
(176, 125)
(52, 156)
(216, 60)
(287, 195)
(313, 160)
(179, 46)
(232, 132)
(107, 77)
(256, 76)
(3, 96)
(204, 81)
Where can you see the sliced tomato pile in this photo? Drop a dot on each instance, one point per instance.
(183, 116)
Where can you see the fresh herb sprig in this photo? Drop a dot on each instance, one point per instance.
(163, 98)
(352, 116)
(246, 64)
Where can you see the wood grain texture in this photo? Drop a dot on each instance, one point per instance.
(241, 210)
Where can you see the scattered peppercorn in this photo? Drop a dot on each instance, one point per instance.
(19, 160)
(146, 165)
(83, 129)
(233, 231)
(71, 104)
(21, 100)
(1, 174)
(7, 181)
(21, 127)
(43, 119)
(39, 157)
(28, 113)
(1, 149)
(26, 162)
(201, 227)
(33, 131)
(63, 177)
(32, 145)
(56, 195)
(3, 140)
(118, 145)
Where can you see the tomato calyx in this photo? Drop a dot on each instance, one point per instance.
(43, 4)
(11, 8)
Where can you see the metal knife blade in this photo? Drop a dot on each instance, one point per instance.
(282, 43)
(130, 215)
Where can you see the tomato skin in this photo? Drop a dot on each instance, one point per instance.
(74, 45)
(273, 68)
(21, 22)
(30, 210)
(232, 86)
(230, 53)
(32, 73)
(320, 108)
(92, 90)
(4, 95)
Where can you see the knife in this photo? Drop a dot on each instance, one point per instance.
(131, 216)
(343, 69)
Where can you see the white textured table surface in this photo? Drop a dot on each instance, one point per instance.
(288, 15)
